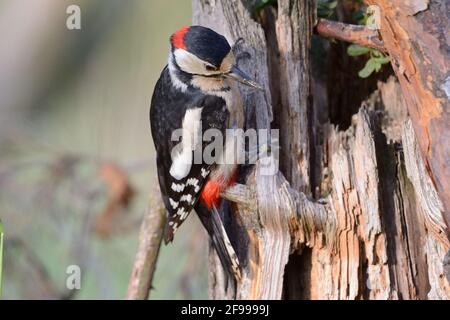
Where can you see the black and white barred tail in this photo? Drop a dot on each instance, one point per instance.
(221, 243)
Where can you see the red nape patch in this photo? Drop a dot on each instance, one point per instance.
(177, 39)
(211, 191)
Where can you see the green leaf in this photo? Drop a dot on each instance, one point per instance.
(325, 8)
(368, 69)
(354, 50)
(332, 4)
(377, 65)
(261, 4)
(384, 60)
(358, 16)
(371, 22)
(376, 53)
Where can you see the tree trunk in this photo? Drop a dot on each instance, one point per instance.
(415, 34)
(352, 214)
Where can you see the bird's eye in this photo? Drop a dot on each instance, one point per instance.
(211, 68)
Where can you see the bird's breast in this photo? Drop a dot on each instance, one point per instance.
(233, 101)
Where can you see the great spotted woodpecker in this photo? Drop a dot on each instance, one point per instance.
(197, 91)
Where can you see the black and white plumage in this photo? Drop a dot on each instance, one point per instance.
(197, 91)
(181, 195)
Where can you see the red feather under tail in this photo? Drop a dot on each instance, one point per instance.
(211, 192)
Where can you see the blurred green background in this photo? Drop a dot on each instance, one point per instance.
(76, 156)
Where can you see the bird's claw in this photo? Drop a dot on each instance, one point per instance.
(238, 52)
(244, 55)
(237, 45)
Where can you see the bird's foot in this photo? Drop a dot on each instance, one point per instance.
(238, 51)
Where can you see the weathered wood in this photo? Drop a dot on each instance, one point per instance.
(288, 30)
(367, 238)
(226, 17)
(272, 211)
(423, 186)
(350, 33)
(377, 233)
(293, 28)
(381, 232)
(234, 20)
(430, 207)
(415, 34)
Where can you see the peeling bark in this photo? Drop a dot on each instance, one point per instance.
(375, 229)
(415, 34)
(350, 33)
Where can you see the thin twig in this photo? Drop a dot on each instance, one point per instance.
(350, 33)
(150, 238)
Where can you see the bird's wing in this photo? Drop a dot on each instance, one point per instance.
(181, 195)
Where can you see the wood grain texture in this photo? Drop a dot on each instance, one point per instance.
(293, 28)
(350, 33)
(273, 211)
(376, 228)
(226, 17)
(415, 34)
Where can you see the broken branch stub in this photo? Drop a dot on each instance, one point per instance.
(274, 214)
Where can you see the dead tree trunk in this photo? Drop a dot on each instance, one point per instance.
(352, 214)
(415, 34)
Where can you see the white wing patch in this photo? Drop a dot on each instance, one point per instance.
(177, 187)
(204, 172)
(193, 182)
(186, 197)
(173, 203)
(191, 137)
(181, 164)
(182, 213)
(174, 225)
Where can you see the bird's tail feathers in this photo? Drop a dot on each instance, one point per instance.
(220, 241)
(227, 250)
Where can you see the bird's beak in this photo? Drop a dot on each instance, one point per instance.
(239, 75)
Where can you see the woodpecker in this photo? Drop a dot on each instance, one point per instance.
(197, 91)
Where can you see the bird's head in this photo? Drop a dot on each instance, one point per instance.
(203, 58)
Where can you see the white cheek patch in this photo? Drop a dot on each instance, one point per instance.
(194, 65)
(227, 62)
(182, 162)
(173, 76)
(190, 63)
